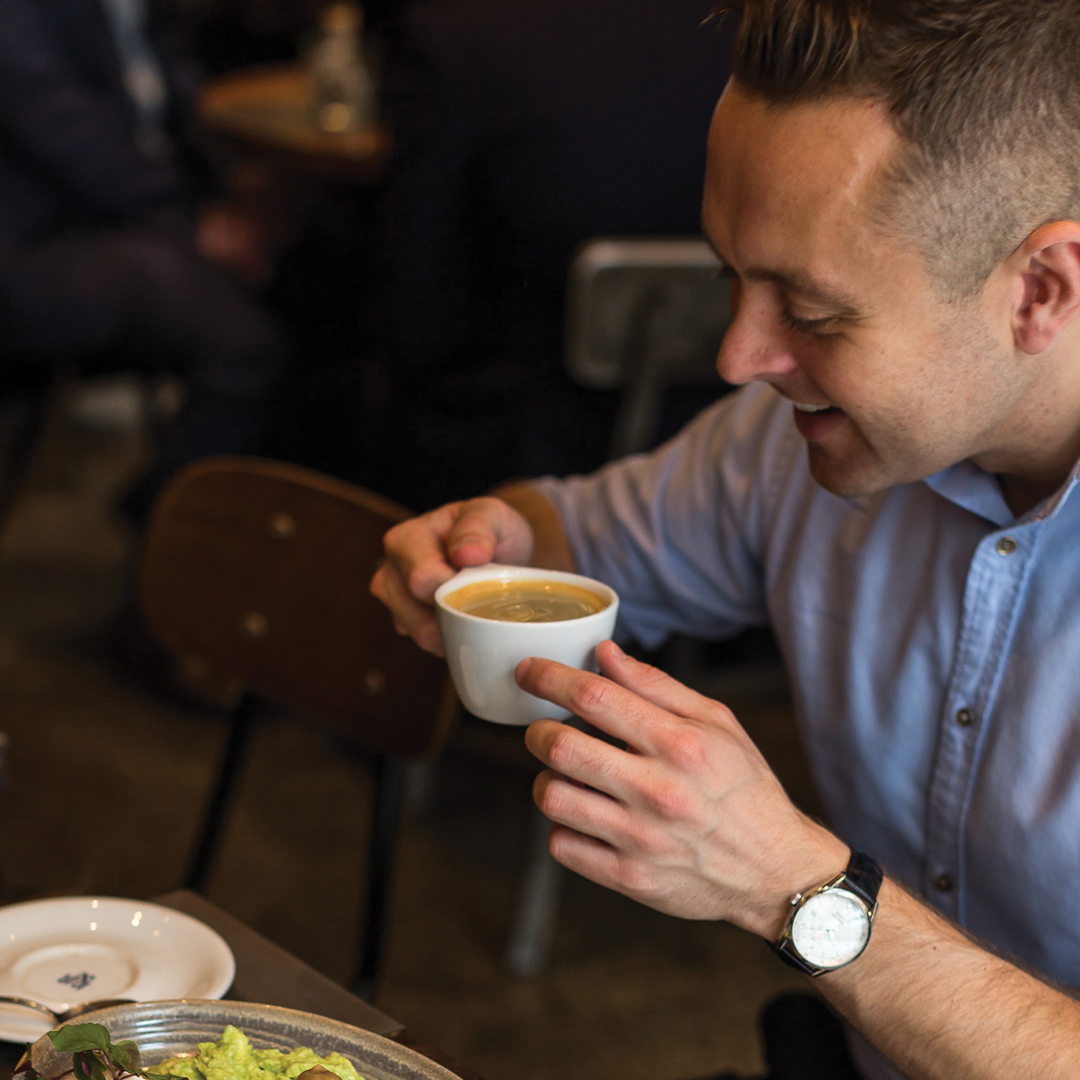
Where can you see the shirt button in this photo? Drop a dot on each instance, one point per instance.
(944, 883)
(965, 717)
(1005, 546)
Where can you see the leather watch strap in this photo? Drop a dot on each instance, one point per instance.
(863, 877)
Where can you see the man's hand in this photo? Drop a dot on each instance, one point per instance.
(689, 818)
(425, 551)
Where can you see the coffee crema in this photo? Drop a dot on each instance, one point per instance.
(527, 600)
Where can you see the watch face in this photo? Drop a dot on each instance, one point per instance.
(830, 929)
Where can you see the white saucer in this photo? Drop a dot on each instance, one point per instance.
(73, 949)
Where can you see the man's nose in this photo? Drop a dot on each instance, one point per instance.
(755, 345)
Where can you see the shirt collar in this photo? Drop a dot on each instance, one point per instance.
(978, 491)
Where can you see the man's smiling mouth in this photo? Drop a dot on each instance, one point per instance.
(816, 422)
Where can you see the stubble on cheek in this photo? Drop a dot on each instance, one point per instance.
(938, 410)
(882, 440)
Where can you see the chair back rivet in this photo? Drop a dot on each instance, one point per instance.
(254, 625)
(283, 526)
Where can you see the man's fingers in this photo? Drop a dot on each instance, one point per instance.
(567, 802)
(586, 760)
(415, 549)
(658, 687)
(424, 552)
(487, 530)
(584, 855)
(599, 700)
(411, 617)
(600, 862)
(651, 732)
(473, 539)
(617, 702)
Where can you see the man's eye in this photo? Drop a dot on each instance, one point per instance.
(807, 326)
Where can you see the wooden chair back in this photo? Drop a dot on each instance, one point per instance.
(259, 570)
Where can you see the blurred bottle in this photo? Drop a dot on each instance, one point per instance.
(344, 89)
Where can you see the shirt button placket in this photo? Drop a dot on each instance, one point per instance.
(990, 592)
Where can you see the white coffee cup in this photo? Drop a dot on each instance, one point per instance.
(484, 653)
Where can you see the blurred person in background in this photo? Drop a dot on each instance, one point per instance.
(227, 34)
(111, 254)
(521, 128)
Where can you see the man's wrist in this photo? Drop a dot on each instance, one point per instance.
(818, 857)
(551, 550)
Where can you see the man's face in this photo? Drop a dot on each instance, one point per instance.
(835, 313)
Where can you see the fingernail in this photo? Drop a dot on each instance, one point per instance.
(523, 668)
(617, 651)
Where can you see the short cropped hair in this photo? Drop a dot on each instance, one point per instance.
(985, 95)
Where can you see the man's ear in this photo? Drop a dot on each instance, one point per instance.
(1047, 268)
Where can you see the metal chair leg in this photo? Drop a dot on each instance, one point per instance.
(537, 904)
(638, 416)
(29, 427)
(389, 783)
(533, 924)
(232, 762)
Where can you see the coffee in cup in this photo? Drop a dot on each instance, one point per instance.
(492, 617)
(526, 600)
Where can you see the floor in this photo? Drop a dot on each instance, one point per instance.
(105, 784)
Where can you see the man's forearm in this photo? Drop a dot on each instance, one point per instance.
(942, 1008)
(550, 547)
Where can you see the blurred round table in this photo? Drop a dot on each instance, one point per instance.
(266, 111)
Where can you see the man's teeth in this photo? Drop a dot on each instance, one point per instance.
(810, 408)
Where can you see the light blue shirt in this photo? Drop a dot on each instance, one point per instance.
(932, 640)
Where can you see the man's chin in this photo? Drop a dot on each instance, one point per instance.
(848, 479)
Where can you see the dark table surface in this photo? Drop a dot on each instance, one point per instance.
(269, 975)
(266, 973)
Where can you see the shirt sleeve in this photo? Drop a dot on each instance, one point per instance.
(679, 533)
(68, 130)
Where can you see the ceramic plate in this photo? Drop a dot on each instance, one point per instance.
(72, 949)
(164, 1028)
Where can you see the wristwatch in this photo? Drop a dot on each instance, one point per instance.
(830, 925)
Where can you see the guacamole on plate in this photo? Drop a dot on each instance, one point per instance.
(232, 1057)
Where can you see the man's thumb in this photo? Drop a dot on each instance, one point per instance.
(472, 541)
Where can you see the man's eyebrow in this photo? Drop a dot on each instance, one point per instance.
(805, 287)
(793, 281)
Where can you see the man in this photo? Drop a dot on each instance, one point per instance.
(896, 189)
(105, 257)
